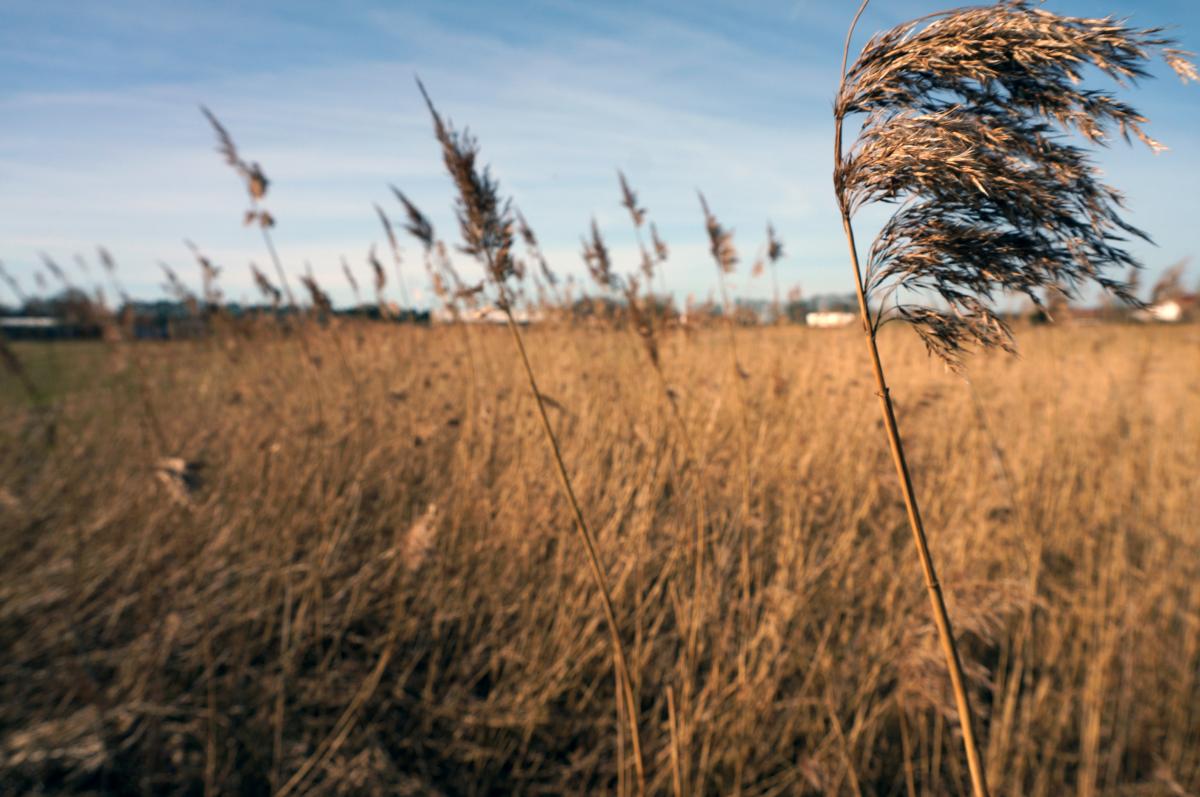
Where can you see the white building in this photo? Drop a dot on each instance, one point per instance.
(829, 318)
(487, 314)
(1168, 310)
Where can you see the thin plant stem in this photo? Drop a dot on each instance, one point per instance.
(589, 545)
(937, 601)
(301, 326)
(283, 280)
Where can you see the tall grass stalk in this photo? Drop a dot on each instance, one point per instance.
(725, 257)
(962, 111)
(487, 229)
(932, 585)
(256, 188)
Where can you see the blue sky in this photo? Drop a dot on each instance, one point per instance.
(102, 141)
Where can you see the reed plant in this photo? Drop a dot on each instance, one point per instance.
(487, 228)
(962, 122)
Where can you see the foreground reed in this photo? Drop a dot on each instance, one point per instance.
(960, 115)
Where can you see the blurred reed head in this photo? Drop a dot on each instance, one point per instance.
(417, 225)
(250, 172)
(320, 299)
(377, 269)
(629, 201)
(533, 248)
(661, 252)
(484, 218)
(720, 239)
(774, 245)
(597, 259)
(350, 278)
(265, 286)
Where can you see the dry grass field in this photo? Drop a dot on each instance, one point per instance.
(359, 577)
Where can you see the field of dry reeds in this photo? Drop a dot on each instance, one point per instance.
(611, 548)
(346, 567)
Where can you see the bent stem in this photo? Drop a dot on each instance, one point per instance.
(937, 601)
(626, 684)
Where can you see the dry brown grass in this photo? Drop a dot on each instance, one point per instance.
(307, 619)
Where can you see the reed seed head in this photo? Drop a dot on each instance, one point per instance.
(966, 118)
(350, 276)
(251, 173)
(629, 201)
(320, 299)
(774, 245)
(418, 225)
(484, 218)
(532, 247)
(597, 260)
(661, 252)
(377, 269)
(265, 286)
(720, 240)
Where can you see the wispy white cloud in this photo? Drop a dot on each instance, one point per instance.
(731, 101)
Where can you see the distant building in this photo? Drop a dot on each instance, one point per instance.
(29, 322)
(1171, 310)
(829, 318)
(28, 327)
(487, 314)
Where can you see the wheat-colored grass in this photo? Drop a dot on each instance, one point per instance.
(305, 619)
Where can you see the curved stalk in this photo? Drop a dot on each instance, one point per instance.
(937, 601)
(626, 683)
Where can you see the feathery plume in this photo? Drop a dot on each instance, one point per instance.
(963, 120)
(661, 252)
(397, 260)
(1170, 284)
(109, 264)
(418, 225)
(487, 230)
(268, 290)
(320, 299)
(964, 115)
(209, 272)
(377, 270)
(629, 201)
(350, 278)
(55, 270)
(720, 240)
(774, 245)
(532, 247)
(484, 219)
(175, 286)
(251, 173)
(599, 264)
